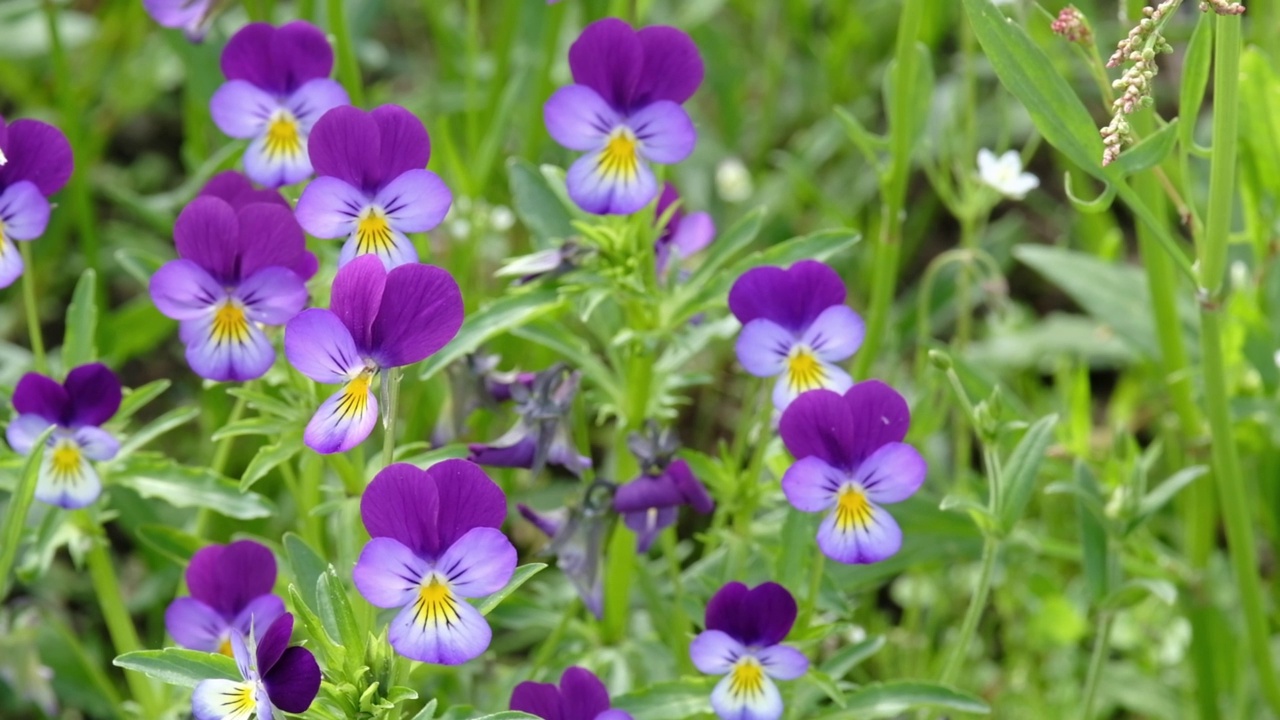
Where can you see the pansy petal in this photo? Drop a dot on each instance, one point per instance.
(672, 67)
(836, 334)
(763, 346)
(66, 478)
(608, 58)
(747, 694)
(811, 484)
(468, 499)
(443, 629)
(24, 211)
(388, 574)
(825, 376)
(695, 493)
(260, 612)
(892, 473)
(11, 264)
(23, 432)
(606, 188)
(269, 237)
(793, 297)
(345, 144)
(647, 492)
(479, 563)
(96, 443)
(665, 132)
(223, 700)
(94, 395)
(229, 577)
(584, 695)
(402, 140)
(866, 538)
(540, 699)
(294, 680)
(614, 715)
(357, 295)
(319, 346)
(37, 152)
(272, 639)
(238, 191)
(313, 99)
(518, 454)
(648, 524)
(421, 312)
(344, 420)
(714, 652)
(273, 295)
(182, 290)
(783, 662)
(392, 247)
(578, 118)
(194, 625)
(382, 507)
(772, 610)
(880, 416)
(329, 207)
(207, 232)
(276, 167)
(819, 424)
(726, 610)
(229, 349)
(36, 394)
(247, 55)
(300, 52)
(694, 233)
(241, 110)
(415, 201)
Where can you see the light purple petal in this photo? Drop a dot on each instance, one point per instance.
(742, 701)
(11, 264)
(811, 485)
(93, 393)
(241, 109)
(578, 118)
(599, 190)
(357, 295)
(836, 334)
(783, 662)
(866, 539)
(694, 233)
(345, 144)
(329, 207)
(392, 247)
(665, 132)
(194, 625)
(541, 699)
(468, 499)
(313, 99)
(182, 290)
(23, 432)
(293, 682)
(318, 345)
(892, 473)
(96, 443)
(344, 420)
(402, 140)
(608, 58)
(763, 346)
(240, 653)
(65, 478)
(235, 351)
(182, 14)
(38, 152)
(479, 563)
(714, 652)
(421, 312)
(228, 577)
(207, 233)
(36, 394)
(584, 696)
(549, 523)
(273, 295)
(383, 507)
(448, 631)
(614, 715)
(389, 574)
(260, 612)
(829, 377)
(672, 67)
(278, 169)
(415, 201)
(793, 298)
(215, 700)
(24, 211)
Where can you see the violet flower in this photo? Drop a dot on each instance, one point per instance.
(239, 192)
(795, 325)
(190, 16)
(851, 460)
(35, 162)
(76, 409)
(541, 435)
(742, 642)
(435, 542)
(650, 503)
(684, 234)
(581, 696)
(377, 320)
(237, 270)
(230, 593)
(277, 87)
(625, 112)
(577, 542)
(275, 677)
(372, 186)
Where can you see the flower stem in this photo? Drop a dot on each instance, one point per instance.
(1100, 646)
(348, 66)
(990, 548)
(391, 402)
(33, 312)
(815, 587)
(218, 464)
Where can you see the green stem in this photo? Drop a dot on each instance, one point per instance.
(348, 66)
(1100, 646)
(1213, 260)
(977, 604)
(810, 609)
(679, 621)
(221, 456)
(33, 311)
(391, 401)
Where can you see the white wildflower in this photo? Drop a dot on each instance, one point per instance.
(1005, 174)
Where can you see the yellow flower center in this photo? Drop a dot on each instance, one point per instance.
(435, 604)
(747, 678)
(283, 137)
(3, 245)
(238, 702)
(225, 647)
(373, 232)
(230, 324)
(65, 461)
(355, 396)
(621, 156)
(804, 370)
(852, 508)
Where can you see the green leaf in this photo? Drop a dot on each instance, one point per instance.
(828, 686)
(868, 143)
(509, 715)
(575, 351)
(269, 457)
(1138, 589)
(269, 425)
(169, 421)
(680, 699)
(1093, 534)
(726, 247)
(138, 398)
(1162, 494)
(79, 345)
(520, 577)
(499, 317)
(334, 609)
(1149, 153)
(428, 711)
(890, 699)
(178, 666)
(154, 476)
(976, 511)
(19, 505)
(331, 655)
(1022, 469)
(537, 205)
(307, 567)
(171, 542)
(1195, 78)
(849, 657)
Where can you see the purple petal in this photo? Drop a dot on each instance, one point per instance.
(747, 699)
(819, 424)
(294, 681)
(207, 233)
(892, 473)
(415, 201)
(238, 191)
(672, 66)
(614, 715)
(783, 662)
(866, 539)
(402, 503)
(182, 290)
(726, 611)
(793, 298)
(695, 494)
(277, 169)
(518, 454)
(93, 392)
(194, 625)
(228, 577)
(209, 700)
(241, 109)
(763, 346)
(300, 52)
(71, 487)
(313, 99)
(811, 485)
(714, 652)
(773, 610)
(403, 142)
(358, 290)
(185, 14)
(665, 132)
(467, 499)
(578, 118)
(548, 523)
(478, 564)
(420, 313)
(247, 55)
(825, 376)
(541, 699)
(648, 524)
(11, 264)
(345, 144)
(329, 207)
(319, 346)
(608, 58)
(444, 631)
(269, 237)
(584, 696)
(228, 348)
(36, 394)
(37, 152)
(388, 574)
(272, 295)
(836, 334)
(647, 492)
(598, 189)
(273, 638)
(880, 413)
(96, 443)
(24, 430)
(260, 613)
(694, 233)
(24, 212)
(344, 420)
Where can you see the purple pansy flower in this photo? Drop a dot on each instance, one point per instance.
(372, 185)
(624, 112)
(191, 16)
(795, 325)
(230, 594)
(581, 696)
(435, 542)
(541, 435)
(237, 270)
(741, 642)
(75, 409)
(274, 677)
(684, 234)
(851, 460)
(577, 540)
(377, 320)
(35, 162)
(277, 87)
(650, 503)
(239, 191)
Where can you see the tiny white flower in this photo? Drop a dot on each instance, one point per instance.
(1005, 174)
(733, 181)
(501, 218)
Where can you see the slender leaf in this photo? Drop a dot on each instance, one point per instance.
(307, 567)
(681, 699)
(154, 476)
(1195, 79)
(726, 248)
(169, 421)
(1093, 535)
(1150, 152)
(19, 505)
(537, 205)
(891, 699)
(1022, 470)
(499, 317)
(171, 542)
(334, 609)
(269, 457)
(520, 577)
(79, 345)
(138, 398)
(179, 666)
(1163, 493)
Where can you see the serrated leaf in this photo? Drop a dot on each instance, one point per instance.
(1022, 470)
(79, 344)
(518, 578)
(495, 319)
(154, 476)
(332, 655)
(179, 666)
